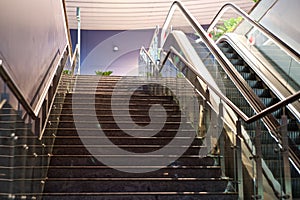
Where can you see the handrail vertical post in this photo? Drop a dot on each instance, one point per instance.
(37, 126)
(78, 37)
(221, 139)
(285, 157)
(258, 160)
(239, 165)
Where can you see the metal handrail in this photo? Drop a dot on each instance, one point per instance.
(241, 114)
(73, 58)
(2, 103)
(253, 22)
(226, 65)
(32, 112)
(16, 91)
(236, 110)
(155, 34)
(149, 56)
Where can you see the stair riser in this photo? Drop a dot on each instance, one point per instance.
(119, 133)
(82, 151)
(121, 141)
(135, 186)
(125, 126)
(111, 173)
(92, 161)
(147, 197)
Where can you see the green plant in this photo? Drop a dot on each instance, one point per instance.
(67, 72)
(106, 73)
(179, 75)
(228, 26)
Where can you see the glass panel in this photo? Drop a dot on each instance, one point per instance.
(146, 65)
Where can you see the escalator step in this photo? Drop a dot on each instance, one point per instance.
(227, 50)
(248, 76)
(239, 101)
(277, 114)
(267, 101)
(261, 92)
(231, 55)
(253, 83)
(237, 61)
(242, 68)
(295, 136)
(224, 44)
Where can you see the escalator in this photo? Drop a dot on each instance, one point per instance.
(268, 98)
(269, 138)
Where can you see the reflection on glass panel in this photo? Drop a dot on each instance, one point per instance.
(263, 46)
(283, 63)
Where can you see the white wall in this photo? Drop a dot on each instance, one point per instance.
(33, 35)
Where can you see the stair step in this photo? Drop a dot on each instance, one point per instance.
(137, 160)
(106, 125)
(142, 196)
(154, 172)
(136, 185)
(122, 133)
(82, 149)
(76, 140)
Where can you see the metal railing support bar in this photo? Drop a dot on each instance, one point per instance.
(258, 160)
(221, 138)
(239, 163)
(16, 91)
(2, 103)
(143, 50)
(285, 158)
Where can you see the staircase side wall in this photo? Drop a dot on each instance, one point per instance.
(33, 37)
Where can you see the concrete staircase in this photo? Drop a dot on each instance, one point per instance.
(127, 138)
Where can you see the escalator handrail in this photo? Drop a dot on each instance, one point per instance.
(290, 51)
